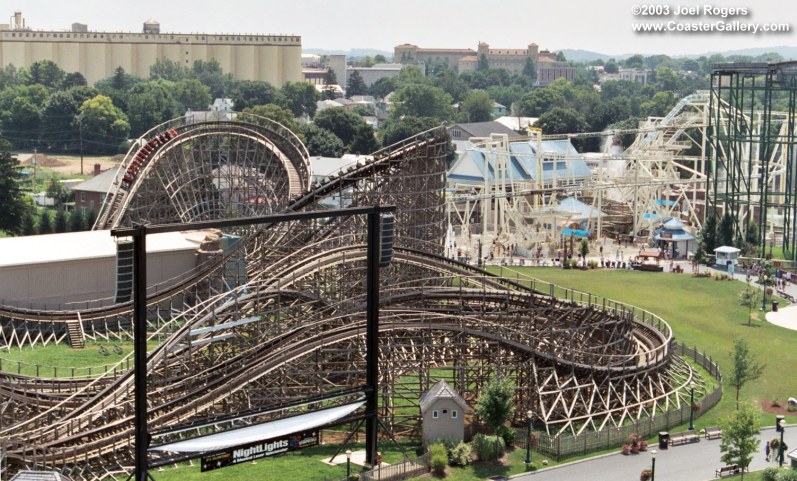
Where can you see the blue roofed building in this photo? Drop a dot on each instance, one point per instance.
(559, 164)
(507, 189)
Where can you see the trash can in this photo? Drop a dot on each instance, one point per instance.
(774, 306)
(664, 439)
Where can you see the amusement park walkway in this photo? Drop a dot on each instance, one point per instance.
(688, 462)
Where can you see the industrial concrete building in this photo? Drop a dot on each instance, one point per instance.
(275, 59)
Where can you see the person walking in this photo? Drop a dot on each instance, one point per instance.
(766, 450)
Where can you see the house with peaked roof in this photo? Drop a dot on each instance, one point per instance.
(91, 194)
(443, 411)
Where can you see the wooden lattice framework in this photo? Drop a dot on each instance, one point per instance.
(295, 328)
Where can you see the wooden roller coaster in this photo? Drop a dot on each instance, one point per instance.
(293, 329)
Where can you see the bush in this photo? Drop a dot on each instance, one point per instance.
(508, 435)
(459, 455)
(124, 146)
(439, 458)
(488, 448)
(592, 264)
(786, 474)
(769, 473)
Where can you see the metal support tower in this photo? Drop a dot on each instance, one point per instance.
(750, 173)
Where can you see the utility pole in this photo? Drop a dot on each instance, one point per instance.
(80, 120)
(34, 172)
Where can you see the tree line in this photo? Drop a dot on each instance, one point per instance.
(44, 107)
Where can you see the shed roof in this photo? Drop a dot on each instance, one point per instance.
(439, 391)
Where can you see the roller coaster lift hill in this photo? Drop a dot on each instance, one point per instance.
(380, 244)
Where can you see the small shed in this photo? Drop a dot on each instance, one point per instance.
(727, 255)
(443, 411)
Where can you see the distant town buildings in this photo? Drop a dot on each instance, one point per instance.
(512, 60)
(639, 75)
(97, 54)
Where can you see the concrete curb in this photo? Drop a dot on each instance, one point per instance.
(571, 463)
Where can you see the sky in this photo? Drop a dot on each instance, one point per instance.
(595, 25)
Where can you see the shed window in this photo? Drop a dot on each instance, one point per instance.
(453, 414)
(435, 414)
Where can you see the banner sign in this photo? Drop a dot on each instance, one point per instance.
(260, 449)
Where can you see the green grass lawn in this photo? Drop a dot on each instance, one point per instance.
(702, 312)
(60, 360)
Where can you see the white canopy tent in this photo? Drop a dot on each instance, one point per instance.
(260, 432)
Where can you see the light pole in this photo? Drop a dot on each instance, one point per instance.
(691, 406)
(764, 282)
(652, 465)
(780, 425)
(528, 439)
(348, 464)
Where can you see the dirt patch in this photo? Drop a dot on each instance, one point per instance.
(67, 165)
(775, 407)
(43, 160)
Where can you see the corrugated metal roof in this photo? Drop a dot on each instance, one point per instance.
(39, 249)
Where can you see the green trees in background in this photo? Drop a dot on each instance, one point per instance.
(12, 205)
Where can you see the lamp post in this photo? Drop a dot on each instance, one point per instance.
(652, 465)
(764, 282)
(691, 406)
(348, 464)
(780, 426)
(528, 439)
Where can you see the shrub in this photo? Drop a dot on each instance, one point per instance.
(439, 458)
(769, 473)
(645, 475)
(488, 448)
(786, 474)
(508, 435)
(592, 264)
(459, 455)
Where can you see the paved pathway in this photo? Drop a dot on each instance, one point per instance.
(687, 462)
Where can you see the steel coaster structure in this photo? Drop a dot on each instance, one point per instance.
(752, 149)
(293, 328)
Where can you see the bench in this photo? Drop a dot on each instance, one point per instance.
(727, 471)
(713, 432)
(784, 295)
(683, 437)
